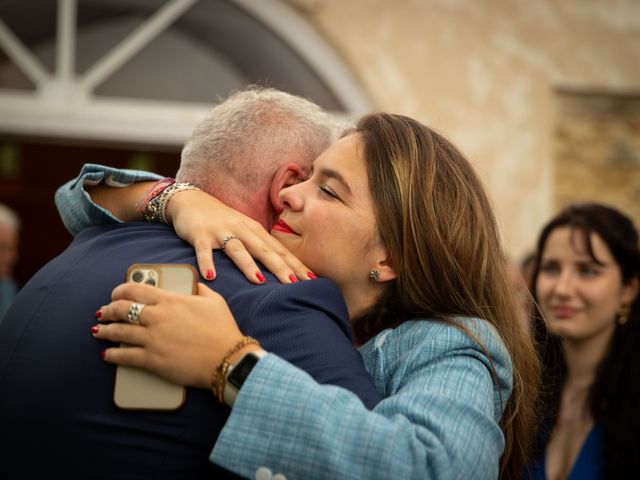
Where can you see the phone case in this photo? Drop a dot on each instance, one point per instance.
(139, 389)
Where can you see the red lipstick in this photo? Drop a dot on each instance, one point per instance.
(281, 226)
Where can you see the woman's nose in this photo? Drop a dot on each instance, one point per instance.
(565, 283)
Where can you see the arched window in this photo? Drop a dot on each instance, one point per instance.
(145, 71)
(123, 82)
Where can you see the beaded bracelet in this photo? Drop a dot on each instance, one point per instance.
(153, 191)
(220, 374)
(156, 208)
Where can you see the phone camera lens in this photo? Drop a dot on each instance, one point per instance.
(137, 276)
(151, 281)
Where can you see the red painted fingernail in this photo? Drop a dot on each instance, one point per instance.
(98, 313)
(95, 328)
(293, 278)
(103, 354)
(312, 275)
(260, 277)
(209, 274)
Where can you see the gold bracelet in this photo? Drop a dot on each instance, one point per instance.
(220, 374)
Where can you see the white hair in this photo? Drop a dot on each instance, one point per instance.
(244, 139)
(8, 217)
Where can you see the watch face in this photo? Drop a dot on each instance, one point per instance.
(242, 369)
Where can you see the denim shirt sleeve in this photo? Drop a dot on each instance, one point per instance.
(74, 204)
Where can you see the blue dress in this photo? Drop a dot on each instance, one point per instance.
(588, 466)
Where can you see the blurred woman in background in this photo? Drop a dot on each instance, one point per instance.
(585, 284)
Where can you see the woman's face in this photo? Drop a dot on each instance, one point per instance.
(578, 296)
(328, 220)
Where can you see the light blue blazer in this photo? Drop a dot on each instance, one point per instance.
(439, 419)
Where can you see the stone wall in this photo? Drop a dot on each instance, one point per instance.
(597, 150)
(487, 73)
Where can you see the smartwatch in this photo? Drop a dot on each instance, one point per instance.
(237, 375)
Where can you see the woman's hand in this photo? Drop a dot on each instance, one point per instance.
(204, 222)
(180, 337)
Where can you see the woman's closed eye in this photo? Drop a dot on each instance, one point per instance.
(329, 192)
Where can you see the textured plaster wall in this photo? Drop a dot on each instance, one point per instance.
(597, 151)
(486, 73)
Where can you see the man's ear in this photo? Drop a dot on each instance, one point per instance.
(285, 176)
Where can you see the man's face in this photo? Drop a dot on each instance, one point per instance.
(8, 250)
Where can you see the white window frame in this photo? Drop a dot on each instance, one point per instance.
(64, 105)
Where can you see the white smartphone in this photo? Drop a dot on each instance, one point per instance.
(139, 389)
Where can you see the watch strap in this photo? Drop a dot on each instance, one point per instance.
(237, 375)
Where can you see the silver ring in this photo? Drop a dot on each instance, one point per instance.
(226, 239)
(135, 310)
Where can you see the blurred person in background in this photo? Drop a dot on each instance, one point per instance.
(585, 283)
(9, 239)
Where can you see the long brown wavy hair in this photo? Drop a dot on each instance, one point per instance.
(436, 221)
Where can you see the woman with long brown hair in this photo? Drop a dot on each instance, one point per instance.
(394, 214)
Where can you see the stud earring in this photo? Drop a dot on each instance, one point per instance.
(374, 275)
(623, 313)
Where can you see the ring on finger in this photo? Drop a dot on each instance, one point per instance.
(226, 239)
(134, 312)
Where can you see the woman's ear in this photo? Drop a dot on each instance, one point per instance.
(386, 270)
(630, 291)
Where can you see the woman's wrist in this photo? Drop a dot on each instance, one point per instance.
(238, 374)
(153, 205)
(143, 205)
(173, 204)
(243, 346)
(236, 357)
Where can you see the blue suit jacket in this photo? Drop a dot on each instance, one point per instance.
(57, 416)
